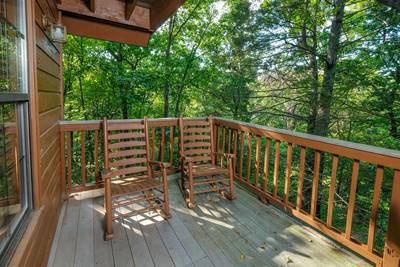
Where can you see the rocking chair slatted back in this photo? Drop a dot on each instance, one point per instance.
(126, 147)
(196, 140)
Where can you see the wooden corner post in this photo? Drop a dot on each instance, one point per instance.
(391, 255)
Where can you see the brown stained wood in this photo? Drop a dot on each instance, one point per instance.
(62, 161)
(130, 6)
(332, 189)
(161, 10)
(235, 139)
(92, 5)
(83, 156)
(276, 167)
(380, 156)
(257, 161)
(249, 144)
(96, 156)
(125, 136)
(69, 159)
(196, 137)
(391, 255)
(153, 143)
(199, 166)
(127, 144)
(196, 130)
(129, 161)
(241, 155)
(162, 144)
(315, 183)
(374, 208)
(125, 153)
(171, 145)
(352, 199)
(217, 142)
(229, 141)
(223, 144)
(288, 172)
(266, 164)
(301, 178)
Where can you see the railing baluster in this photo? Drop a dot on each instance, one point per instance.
(288, 172)
(315, 183)
(69, 158)
(266, 164)
(223, 145)
(257, 161)
(171, 144)
(62, 154)
(217, 143)
(235, 136)
(332, 187)
(374, 208)
(162, 144)
(241, 155)
(96, 156)
(83, 157)
(352, 199)
(153, 143)
(249, 143)
(229, 141)
(276, 167)
(301, 178)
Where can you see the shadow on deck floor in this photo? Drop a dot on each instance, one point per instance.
(217, 232)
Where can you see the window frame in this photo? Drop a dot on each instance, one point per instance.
(21, 100)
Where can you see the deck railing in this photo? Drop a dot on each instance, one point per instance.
(291, 170)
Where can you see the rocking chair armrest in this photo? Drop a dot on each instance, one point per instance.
(106, 174)
(226, 155)
(160, 163)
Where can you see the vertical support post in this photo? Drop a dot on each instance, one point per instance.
(315, 184)
(62, 155)
(171, 145)
(331, 200)
(301, 178)
(83, 157)
(276, 167)
(257, 161)
(391, 254)
(288, 173)
(241, 155)
(249, 143)
(96, 156)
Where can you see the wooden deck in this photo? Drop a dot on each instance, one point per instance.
(217, 232)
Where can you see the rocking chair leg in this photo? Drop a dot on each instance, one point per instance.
(166, 210)
(190, 201)
(231, 195)
(108, 206)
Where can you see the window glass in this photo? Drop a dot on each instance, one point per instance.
(11, 56)
(10, 180)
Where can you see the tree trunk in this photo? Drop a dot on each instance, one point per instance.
(324, 112)
(167, 66)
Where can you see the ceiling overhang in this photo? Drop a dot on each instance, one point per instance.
(125, 21)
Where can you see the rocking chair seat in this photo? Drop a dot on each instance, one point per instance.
(133, 185)
(207, 170)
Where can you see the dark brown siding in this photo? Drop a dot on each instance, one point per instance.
(36, 243)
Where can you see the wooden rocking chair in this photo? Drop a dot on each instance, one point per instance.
(129, 175)
(197, 158)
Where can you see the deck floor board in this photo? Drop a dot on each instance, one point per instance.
(217, 232)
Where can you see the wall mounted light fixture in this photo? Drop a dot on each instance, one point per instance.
(58, 32)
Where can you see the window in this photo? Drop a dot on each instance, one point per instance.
(14, 101)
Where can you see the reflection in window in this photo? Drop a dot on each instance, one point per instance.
(10, 195)
(11, 77)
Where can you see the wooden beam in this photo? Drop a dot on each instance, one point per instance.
(130, 6)
(162, 10)
(103, 31)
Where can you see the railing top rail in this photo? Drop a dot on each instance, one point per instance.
(381, 156)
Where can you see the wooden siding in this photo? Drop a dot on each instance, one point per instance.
(46, 110)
